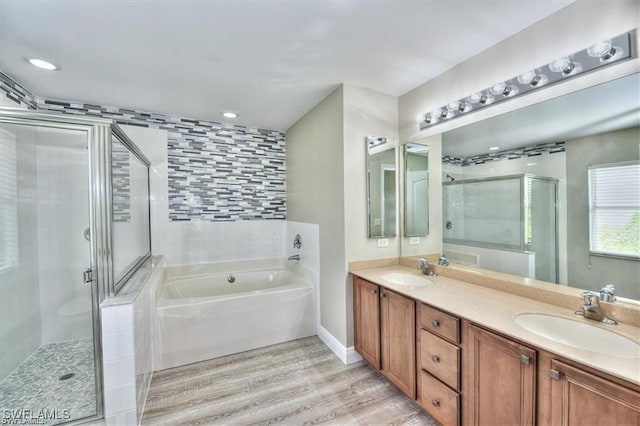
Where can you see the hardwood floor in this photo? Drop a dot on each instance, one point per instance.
(294, 383)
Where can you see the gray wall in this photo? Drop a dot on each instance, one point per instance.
(315, 194)
(597, 149)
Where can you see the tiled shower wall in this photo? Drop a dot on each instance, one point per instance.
(217, 172)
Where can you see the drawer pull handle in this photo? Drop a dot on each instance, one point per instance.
(435, 323)
(435, 402)
(435, 358)
(374, 291)
(383, 295)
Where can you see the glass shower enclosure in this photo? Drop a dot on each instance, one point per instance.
(513, 213)
(57, 219)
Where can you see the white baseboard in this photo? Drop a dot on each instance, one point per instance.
(346, 355)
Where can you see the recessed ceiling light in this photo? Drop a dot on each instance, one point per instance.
(494, 148)
(41, 63)
(229, 115)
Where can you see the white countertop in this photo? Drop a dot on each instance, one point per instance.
(497, 310)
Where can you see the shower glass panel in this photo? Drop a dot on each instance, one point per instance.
(130, 210)
(47, 346)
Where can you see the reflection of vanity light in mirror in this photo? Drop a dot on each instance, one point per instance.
(559, 138)
(601, 54)
(381, 187)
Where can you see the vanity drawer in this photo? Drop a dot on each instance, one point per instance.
(439, 401)
(440, 358)
(438, 322)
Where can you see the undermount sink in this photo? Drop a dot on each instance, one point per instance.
(400, 278)
(579, 335)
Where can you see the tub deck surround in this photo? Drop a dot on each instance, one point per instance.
(203, 315)
(294, 383)
(496, 310)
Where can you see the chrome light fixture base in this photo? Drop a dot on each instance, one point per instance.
(599, 55)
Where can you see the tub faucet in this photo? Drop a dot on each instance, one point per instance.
(295, 257)
(591, 308)
(426, 268)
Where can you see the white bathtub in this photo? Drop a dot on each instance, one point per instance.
(202, 316)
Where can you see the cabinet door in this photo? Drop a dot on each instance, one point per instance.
(580, 398)
(501, 375)
(398, 315)
(366, 310)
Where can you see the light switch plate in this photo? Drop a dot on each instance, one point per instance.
(414, 241)
(383, 242)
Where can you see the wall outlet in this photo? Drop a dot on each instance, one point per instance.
(383, 242)
(376, 222)
(414, 241)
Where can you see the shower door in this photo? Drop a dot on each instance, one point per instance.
(49, 373)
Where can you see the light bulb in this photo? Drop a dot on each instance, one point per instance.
(487, 99)
(510, 91)
(600, 49)
(526, 77)
(539, 80)
(465, 107)
(498, 88)
(474, 98)
(454, 105)
(565, 66)
(448, 113)
(560, 64)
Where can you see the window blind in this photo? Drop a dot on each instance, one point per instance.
(614, 209)
(8, 201)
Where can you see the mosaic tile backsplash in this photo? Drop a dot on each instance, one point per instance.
(217, 172)
(511, 154)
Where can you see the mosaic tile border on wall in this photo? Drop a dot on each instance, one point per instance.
(217, 172)
(510, 154)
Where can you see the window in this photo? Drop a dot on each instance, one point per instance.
(614, 209)
(8, 201)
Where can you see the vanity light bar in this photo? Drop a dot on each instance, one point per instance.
(599, 55)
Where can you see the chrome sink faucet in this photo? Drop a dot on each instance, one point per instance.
(591, 308)
(426, 268)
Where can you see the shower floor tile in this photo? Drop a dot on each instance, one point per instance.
(36, 386)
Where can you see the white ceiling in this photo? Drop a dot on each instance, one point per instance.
(270, 61)
(603, 108)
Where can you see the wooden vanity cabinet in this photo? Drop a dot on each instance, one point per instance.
(570, 394)
(366, 320)
(500, 377)
(397, 316)
(465, 374)
(384, 332)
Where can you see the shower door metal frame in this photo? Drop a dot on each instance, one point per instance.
(95, 134)
(99, 137)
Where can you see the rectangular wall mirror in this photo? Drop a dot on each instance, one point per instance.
(381, 187)
(547, 230)
(416, 190)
